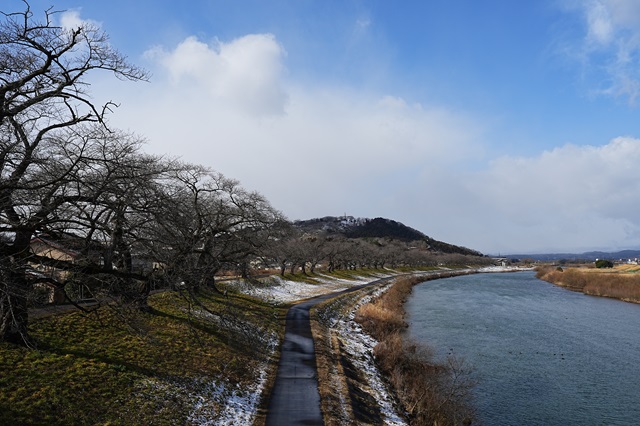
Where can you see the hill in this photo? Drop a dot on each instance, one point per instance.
(590, 256)
(378, 227)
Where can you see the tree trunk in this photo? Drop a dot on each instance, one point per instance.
(14, 315)
(142, 302)
(14, 319)
(244, 270)
(211, 283)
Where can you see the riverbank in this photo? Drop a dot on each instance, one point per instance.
(193, 363)
(184, 361)
(370, 373)
(621, 282)
(430, 391)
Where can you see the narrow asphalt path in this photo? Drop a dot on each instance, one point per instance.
(295, 399)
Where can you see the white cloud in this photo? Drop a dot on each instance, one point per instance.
(337, 150)
(333, 150)
(624, 13)
(612, 43)
(571, 198)
(578, 179)
(245, 73)
(70, 20)
(600, 27)
(578, 197)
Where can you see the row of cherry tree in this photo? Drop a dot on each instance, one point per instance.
(131, 219)
(300, 252)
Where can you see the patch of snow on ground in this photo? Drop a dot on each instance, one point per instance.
(359, 346)
(212, 403)
(239, 405)
(278, 290)
(504, 269)
(251, 332)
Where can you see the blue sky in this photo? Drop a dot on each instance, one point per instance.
(504, 126)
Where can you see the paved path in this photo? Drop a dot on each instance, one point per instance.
(295, 399)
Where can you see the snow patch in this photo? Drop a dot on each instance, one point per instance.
(490, 269)
(359, 346)
(239, 405)
(251, 332)
(277, 290)
(219, 402)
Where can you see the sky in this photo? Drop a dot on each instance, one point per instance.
(503, 126)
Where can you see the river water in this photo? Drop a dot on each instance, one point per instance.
(542, 355)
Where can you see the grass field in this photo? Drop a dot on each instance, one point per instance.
(169, 366)
(621, 282)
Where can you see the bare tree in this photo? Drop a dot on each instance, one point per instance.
(126, 197)
(276, 250)
(316, 251)
(43, 91)
(209, 222)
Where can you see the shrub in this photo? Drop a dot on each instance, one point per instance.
(603, 263)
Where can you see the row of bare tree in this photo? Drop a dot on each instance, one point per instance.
(82, 204)
(107, 212)
(305, 252)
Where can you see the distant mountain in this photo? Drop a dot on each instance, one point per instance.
(587, 256)
(379, 227)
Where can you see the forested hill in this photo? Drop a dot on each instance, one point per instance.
(379, 227)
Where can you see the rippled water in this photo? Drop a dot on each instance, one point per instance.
(542, 355)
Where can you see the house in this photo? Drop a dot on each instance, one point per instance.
(68, 249)
(500, 261)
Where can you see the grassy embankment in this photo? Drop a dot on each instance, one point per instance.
(118, 366)
(430, 392)
(621, 282)
(126, 367)
(172, 365)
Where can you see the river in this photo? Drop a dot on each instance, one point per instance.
(542, 355)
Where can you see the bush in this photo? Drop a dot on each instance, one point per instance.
(603, 263)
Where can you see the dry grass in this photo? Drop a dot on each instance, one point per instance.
(432, 393)
(336, 385)
(622, 282)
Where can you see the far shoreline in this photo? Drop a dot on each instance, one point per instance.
(620, 283)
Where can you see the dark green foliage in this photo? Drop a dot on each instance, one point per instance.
(604, 263)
